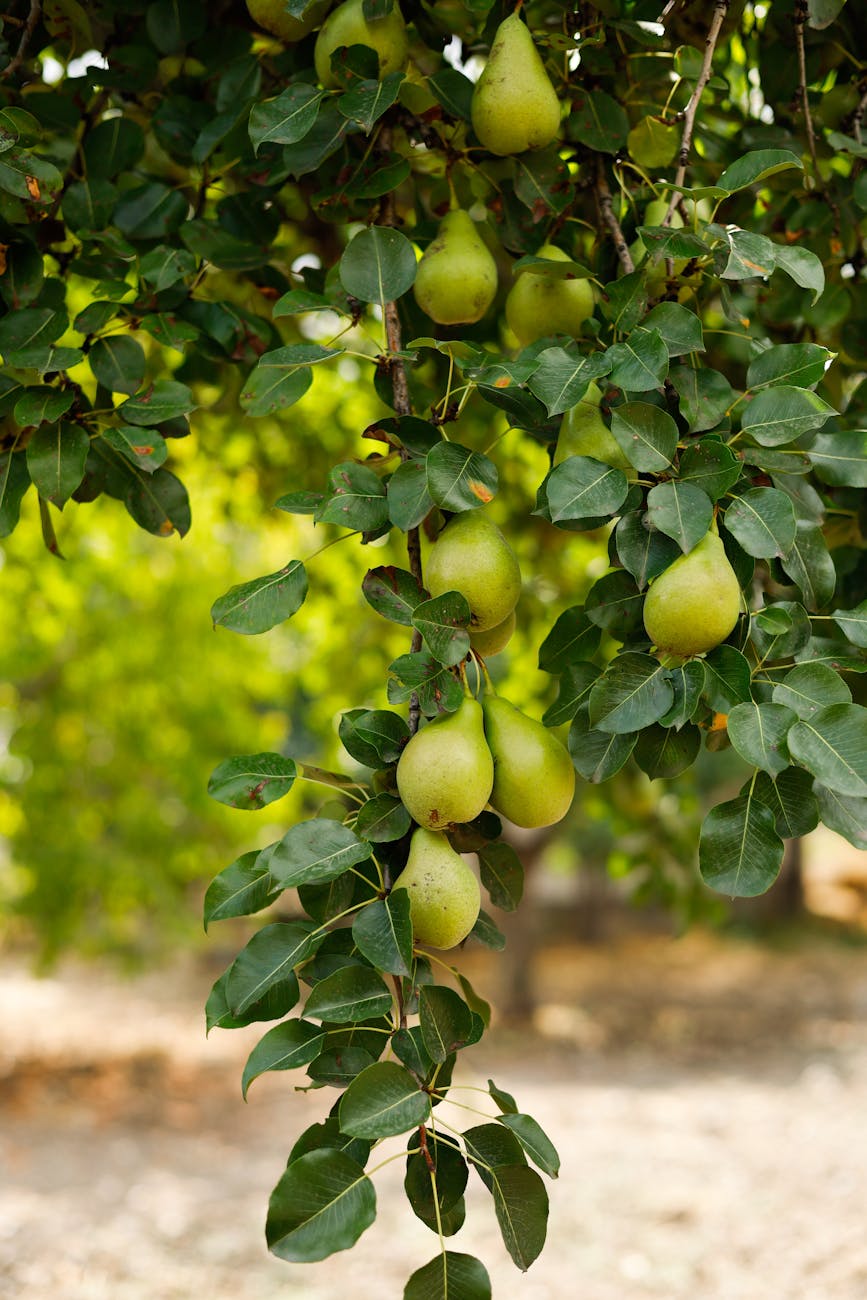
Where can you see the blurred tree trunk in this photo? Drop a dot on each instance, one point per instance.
(785, 899)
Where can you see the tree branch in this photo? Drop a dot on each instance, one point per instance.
(719, 14)
(606, 208)
(802, 13)
(26, 35)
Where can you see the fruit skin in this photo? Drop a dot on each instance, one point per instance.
(272, 17)
(514, 107)
(537, 306)
(446, 772)
(534, 780)
(472, 556)
(494, 639)
(694, 604)
(347, 25)
(444, 895)
(583, 432)
(456, 280)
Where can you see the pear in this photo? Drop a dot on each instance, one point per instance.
(456, 278)
(534, 780)
(514, 106)
(272, 17)
(347, 25)
(472, 556)
(583, 432)
(444, 895)
(494, 639)
(654, 215)
(694, 603)
(538, 305)
(445, 773)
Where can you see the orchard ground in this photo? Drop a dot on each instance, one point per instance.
(707, 1096)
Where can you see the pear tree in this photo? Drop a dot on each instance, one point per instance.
(627, 237)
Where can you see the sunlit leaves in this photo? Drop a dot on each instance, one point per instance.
(257, 606)
(253, 780)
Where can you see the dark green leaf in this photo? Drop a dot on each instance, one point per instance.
(614, 602)
(282, 377)
(113, 146)
(269, 958)
(781, 414)
(561, 377)
(598, 121)
(687, 683)
(521, 1205)
(144, 448)
(368, 100)
(350, 994)
(640, 363)
(667, 751)
(357, 499)
(488, 933)
(572, 638)
(841, 458)
(740, 852)
(14, 482)
(409, 501)
(56, 457)
(710, 465)
(790, 798)
(374, 737)
(705, 396)
(118, 363)
(42, 405)
(809, 688)
(382, 1101)
(679, 328)
(502, 875)
(632, 693)
(286, 119)
(276, 1002)
(798, 364)
(252, 780)
(313, 851)
(383, 933)
(643, 551)
(439, 691)
(161, 401)
(164, 266)
(459, 479)
(727, 678)
(758, 733)
(150, 211)
(285, 1047)
(833, 746)
(242, 888)
(680, 510)
(382, 819)
(158, 502)
(597, 755)
(780, 631)
(450, 1275)
(446, 1021)
(582, 487)
(535, 1142)
(575, 685)
(763, 521)
(322, 1204)
(810, 567)
(393, 593)
(647, 435)
(89, 204)
(257, 606)
(378, 265)
(443, 623)
(846, 814)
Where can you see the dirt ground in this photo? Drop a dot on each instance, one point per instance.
(708, 1097)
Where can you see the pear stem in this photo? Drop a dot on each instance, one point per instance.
(480, 663)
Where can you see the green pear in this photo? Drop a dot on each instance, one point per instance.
(514, 106)
(445, 773)
(538, 305)
(472, 556)
(272, 17)
(444, 895)
(694, 603)
(583, 432)
(456, 278)
(494, 639)
(347, 25)
(654, 215)
(534, 780)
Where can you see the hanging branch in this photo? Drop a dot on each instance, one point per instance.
(719, 14)
(26, 35)
(402, 406)
(606, 208)
(802, 13)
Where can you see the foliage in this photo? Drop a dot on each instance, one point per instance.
(152, 210)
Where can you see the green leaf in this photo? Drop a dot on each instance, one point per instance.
(687, 682)
(798, 364)
(158, 502)
(439, 691)
(521, 1206)
(810, 567)
(286, 119)
(285, 1047)
(681, 511)
(382, 1101)
(632, 693)
(727, 678)
(368, 100)
(502, 875)
(450, 1174)
(446, 1021)
(535, 1142)
(113, 146)
(164, 266)
(350, 994)
(841, 458)
(679, 328)
(144, 448)
(705, 396)
(643, 551)
(615, 603)
(843, 813)
(56, 457)
(276, 1002)
(383, 933)
(409, 501)
(88, 204)
(763, 522)
(758, 733)
(443, 623)
(14, 482)
(582, 488)
(323, 1203)
(374, 737)
(781, 414)
(459, 479)
(453, 90)
(382, 819)
(756, 166)
(242, 888)
(393, 593)
(597, 755)
(488, 933)
(780, 631)
(378, 265)
(740, 852)
(251, 781)
(269, 958)
(647, 435)
(575, 685)
(357, 499)
(809, 688)
(257, 606)
(598, 121)
(749, 254)
(572, 638)
(150, 211)
(560, 378)
(42, 405)
(163, 400)
(803, 266)
(314, 851)
(282, 377)
(667, 751)
(853, 623)
(640, 363)
(832, 745)
(790, 798)
(118, 363)
(449, 1276)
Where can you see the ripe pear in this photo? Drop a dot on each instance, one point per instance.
(347, 25)
(272, 17)
(456, 278)
(583, 432)
(514, 105)
(472, 556)
(446, 772)
(534, 780)
(538, 305)
(694, 603)
(494, 639)
(444, 895)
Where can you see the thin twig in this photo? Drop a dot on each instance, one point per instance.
(858, 116)
(29, 29)
(802, 13)
(606, 207)
(719, 14)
